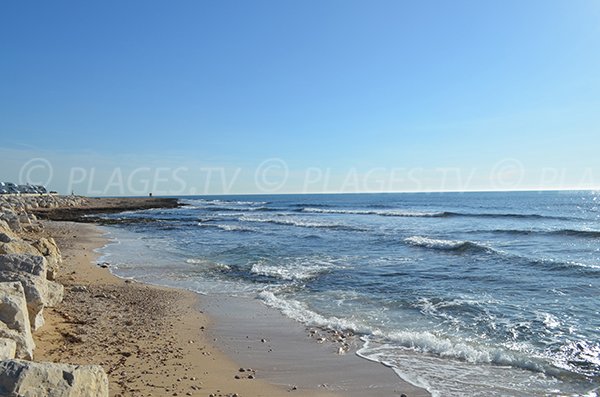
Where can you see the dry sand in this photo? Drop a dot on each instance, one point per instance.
(152, 341)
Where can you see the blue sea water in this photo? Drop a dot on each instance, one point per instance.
(465, 294)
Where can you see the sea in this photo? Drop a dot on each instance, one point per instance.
(463, 294)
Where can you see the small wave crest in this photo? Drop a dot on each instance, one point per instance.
(288, 221)
(228, 228)
(409, 214)
(448, 214)
(447, 245)
(557, 232)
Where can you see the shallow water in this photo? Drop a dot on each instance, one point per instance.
(497, 292)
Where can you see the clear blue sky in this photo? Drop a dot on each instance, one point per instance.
(364, 87)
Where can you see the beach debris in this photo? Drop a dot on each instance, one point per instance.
(79, 288)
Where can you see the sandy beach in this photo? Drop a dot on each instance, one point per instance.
(150, 340)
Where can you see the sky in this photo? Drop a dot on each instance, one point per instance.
(228, 97)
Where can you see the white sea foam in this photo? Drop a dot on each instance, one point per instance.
(298, 269)
(434, 243)
(549, 320)
(422, 341)
(206, 264)
(300, 312)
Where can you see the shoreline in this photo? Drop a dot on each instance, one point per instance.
(151, 340)
(292, 355)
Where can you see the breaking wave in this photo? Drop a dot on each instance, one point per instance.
(447, 245)
(228, 228)
(300, 223)
(420, 341)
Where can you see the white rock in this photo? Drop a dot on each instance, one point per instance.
(8, 349)
(49, 249)
(28, 379)
(31, 272)
(17, 246)
(14, 318)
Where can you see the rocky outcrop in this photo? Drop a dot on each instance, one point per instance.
(24, 378)
(14, 319)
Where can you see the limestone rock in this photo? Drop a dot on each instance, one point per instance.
(49, 249)
(6, 233)
(14, 319)
(32, 264)
(8, 349)
(17, 246)
(24, 378)
(13, 221)
(31, 272)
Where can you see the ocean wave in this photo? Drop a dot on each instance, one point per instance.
(397, 213)
(286, 221)
(238, 209)
(428, 214)
(558, 232)
(228, 228)
(579, 233)
(449, 214)
(301, 313)
(420, 341)
(208, 202)
(448, 245)
(443, 346)
(303, 270)
(561, 265)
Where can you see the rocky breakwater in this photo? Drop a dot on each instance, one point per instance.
(28, 268)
